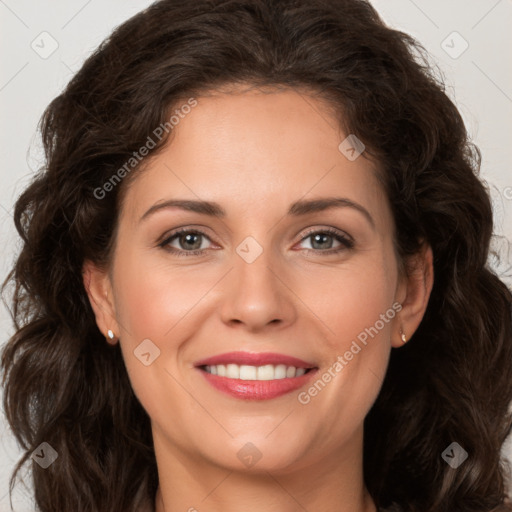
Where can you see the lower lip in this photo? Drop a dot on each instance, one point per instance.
(257, 389)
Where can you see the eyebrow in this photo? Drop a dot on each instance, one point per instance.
(298, 208)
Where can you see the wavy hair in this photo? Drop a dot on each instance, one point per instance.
(452, 383)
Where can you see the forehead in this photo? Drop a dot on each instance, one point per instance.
(252, 148)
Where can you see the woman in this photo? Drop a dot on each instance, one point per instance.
(178, 347)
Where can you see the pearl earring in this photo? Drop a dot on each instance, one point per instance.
(402, 335)
(110, 334)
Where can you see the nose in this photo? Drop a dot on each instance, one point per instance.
(256, 295)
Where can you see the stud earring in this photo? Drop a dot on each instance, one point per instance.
(403, 336)
(110, 334)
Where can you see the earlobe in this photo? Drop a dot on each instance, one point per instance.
(417, 289)
(99, 291)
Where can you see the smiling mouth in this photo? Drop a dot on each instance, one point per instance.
(255, 383)
(255, 373)
(256, 376)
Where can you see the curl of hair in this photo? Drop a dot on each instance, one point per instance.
(452, 382)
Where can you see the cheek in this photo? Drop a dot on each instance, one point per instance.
(150, 304)
(156, 308)
(357, 305)
(152, 299)
(351, 299)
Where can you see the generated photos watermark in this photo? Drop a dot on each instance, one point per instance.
(138, 156)
(341, 361)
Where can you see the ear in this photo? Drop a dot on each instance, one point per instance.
(99, 290)
(414, 293)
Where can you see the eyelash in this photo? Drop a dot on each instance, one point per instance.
(347, 243)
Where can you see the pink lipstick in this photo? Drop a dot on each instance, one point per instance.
(256, 376)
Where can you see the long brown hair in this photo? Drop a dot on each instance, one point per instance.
(64, 385)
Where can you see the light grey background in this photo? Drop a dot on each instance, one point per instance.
(479, 80)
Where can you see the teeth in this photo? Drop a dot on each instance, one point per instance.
(280, 371)
(266, 372)
(233, 371)
(246, 372)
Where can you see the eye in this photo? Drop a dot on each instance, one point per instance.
(322, 241)
(189, 242)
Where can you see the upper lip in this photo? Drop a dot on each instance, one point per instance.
(254, 359)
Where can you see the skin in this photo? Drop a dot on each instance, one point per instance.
(255, 154)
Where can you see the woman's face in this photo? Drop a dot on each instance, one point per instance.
(277, 273)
